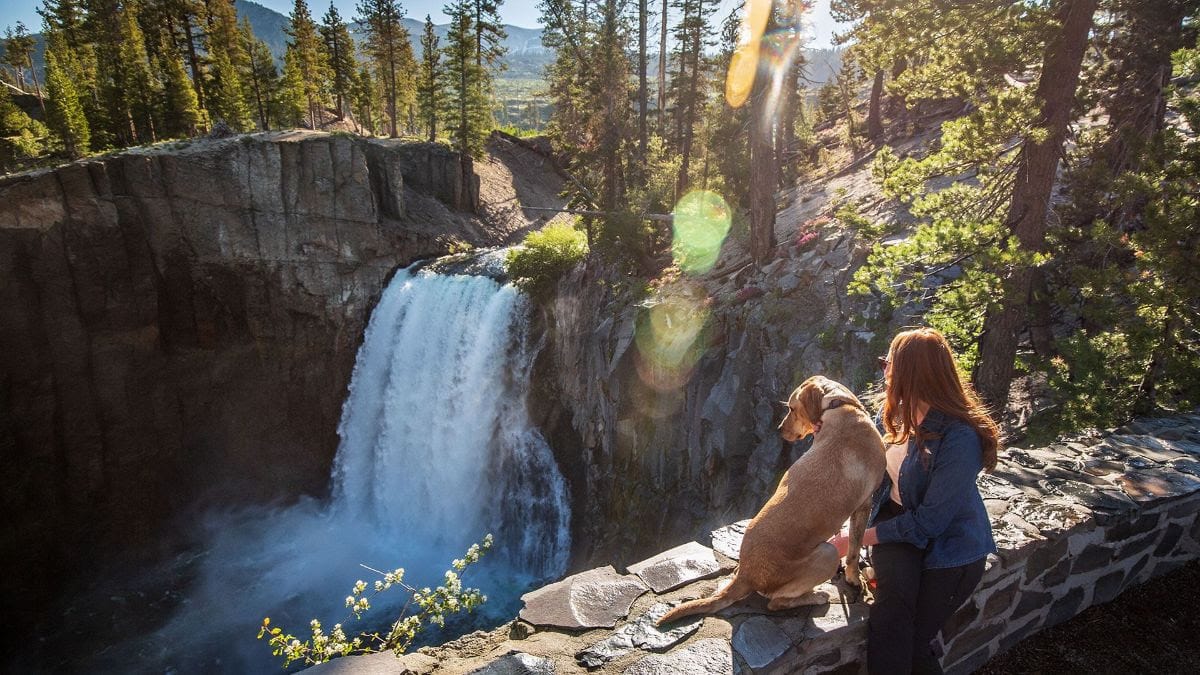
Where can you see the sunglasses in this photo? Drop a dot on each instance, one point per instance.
(884, 362)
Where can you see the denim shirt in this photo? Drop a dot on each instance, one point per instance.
(943, 510)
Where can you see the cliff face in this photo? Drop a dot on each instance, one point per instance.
(180, 325)
(657, 455)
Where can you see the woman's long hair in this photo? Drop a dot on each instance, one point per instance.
(923, 371)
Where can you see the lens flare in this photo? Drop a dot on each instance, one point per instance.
(671, 336)
(701, 223)
(776, 50)
(740, 80)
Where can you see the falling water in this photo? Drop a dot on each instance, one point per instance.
(436, 441)
(436, 451)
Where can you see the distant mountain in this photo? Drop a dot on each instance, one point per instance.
(526, 57)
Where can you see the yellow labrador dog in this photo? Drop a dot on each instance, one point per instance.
(785, 552)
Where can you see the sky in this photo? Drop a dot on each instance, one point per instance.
(516, 12)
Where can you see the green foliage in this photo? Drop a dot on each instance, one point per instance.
(431, 605)
(21, 137)
(467, 84)
(1137, 293)
(261, 79)
(544, 257)
(63, 110)
(306, 61)
(18, 50)
(339, 54)
(429, 79)
(955, 257)
(390, 53)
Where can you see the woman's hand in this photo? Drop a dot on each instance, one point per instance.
(841, 542)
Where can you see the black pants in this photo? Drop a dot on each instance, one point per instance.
(911, 606)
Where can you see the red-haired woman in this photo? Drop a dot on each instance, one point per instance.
(929, 530)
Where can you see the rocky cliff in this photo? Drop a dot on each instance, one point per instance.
(180, 324)
(662, 403)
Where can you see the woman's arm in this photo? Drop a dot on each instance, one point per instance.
(842, 541)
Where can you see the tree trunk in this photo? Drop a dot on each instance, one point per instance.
(1036, 172)
(643, 133)
(874, 110)
(193, 59)
(763, 171)
(37, 88)
(689, 121)
(391, 90)
(662, 74)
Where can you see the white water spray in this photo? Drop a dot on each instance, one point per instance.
(436, 451)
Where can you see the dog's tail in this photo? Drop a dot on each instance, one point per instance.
(734, 591)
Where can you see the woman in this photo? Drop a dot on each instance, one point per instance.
(929, 530)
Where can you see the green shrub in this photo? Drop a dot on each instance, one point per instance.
(545, 256)
(430, 606)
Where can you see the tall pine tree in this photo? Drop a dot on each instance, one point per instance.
(466, 105)
(390, 52)
(306, 60)
(64, 112)
(228, 61)
(261, 79)
(339, 54)
(181, 114)
(429, 81)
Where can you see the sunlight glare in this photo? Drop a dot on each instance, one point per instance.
(701, 223)
(671, 338)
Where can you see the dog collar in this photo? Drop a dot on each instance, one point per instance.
(836, 403)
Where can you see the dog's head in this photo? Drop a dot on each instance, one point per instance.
(808, 403)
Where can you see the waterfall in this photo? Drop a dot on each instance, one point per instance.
(436, 451)
(436, 441)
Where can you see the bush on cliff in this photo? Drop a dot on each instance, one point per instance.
(545, 256)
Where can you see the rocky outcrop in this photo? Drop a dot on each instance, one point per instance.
(1076, 523)
(662, 406)
(180, 324)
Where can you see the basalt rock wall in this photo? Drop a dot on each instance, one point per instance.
(180, 323)
(663, 406)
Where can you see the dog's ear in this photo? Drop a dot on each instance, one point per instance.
(811, 396)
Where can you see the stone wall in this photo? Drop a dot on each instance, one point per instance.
(1076, 523)
(180, 323)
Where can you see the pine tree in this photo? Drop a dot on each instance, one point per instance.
(429, 82)
(642, 94)
(21, 137)
(109, 117)
(138, 85)
(390, 52)
(261, 78)
(181, 114)
(467, 111)
(1037, 169)
(64, 112)
(306, 59)
(687, 92)
(339, 53)
(489, 34)
(228, 61)
(365, 97)
(18, 54)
